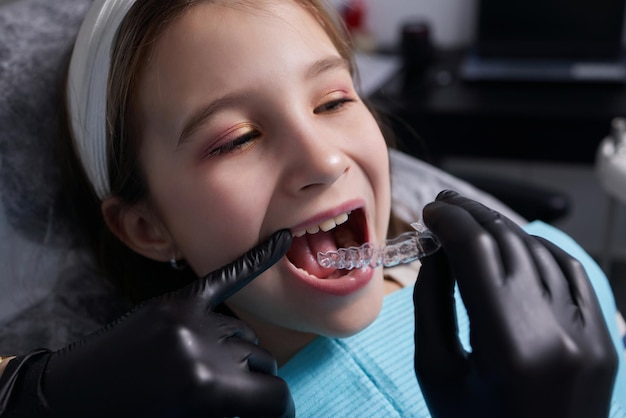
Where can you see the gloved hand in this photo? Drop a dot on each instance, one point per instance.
(170, 357)
(540, 345)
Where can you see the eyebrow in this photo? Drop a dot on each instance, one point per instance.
(197, 118)
(326, 64)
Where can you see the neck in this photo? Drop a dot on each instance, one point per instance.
(281, 342)
(284, 343)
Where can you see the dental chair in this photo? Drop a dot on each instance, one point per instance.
(51, 291)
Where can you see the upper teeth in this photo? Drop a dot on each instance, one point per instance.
(325, 226)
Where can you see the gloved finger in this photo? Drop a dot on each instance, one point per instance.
(587, 327)
(472, 252)
(552, 275)
(511, 239)
(233, 328)
(514, 244)
(257, 395)
(248, 387)
(438, 351)
(490, 260)
(272, 397)
(481, 213)
(219, 285)
(243, 356)
(484, 215)
(578, 286)
(262, 361)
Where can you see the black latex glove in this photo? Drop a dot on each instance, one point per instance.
(170, 357)
(540, 345)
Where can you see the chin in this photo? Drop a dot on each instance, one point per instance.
(348, 330)
(353, 318)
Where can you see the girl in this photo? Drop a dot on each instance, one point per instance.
(203, 128)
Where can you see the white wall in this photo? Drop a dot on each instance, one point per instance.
(452, 21)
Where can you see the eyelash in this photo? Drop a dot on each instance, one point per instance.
(334, 104)
(245, 140)
(239, 143)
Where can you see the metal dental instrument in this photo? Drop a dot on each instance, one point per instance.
(402, 249)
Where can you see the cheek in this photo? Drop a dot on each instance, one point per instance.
(213, 218)
(382, 190)
(371, 146)
(265, 297)
(374, 159)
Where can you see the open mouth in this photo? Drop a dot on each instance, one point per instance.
(346, 230)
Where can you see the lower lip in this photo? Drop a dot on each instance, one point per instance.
(355, 280)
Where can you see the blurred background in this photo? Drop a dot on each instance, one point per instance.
(516, 97)
(519, 97)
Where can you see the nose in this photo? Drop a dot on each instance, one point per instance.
(315, 157)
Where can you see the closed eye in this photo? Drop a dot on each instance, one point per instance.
(333, 105)
(238, 144)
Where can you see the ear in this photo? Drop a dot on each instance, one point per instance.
(139, 228)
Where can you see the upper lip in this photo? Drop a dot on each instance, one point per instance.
(318, 220)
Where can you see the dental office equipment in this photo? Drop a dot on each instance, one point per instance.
(404, 248)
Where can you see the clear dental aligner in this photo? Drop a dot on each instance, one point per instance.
(402, 249)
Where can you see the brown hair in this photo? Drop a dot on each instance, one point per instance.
(134, 275)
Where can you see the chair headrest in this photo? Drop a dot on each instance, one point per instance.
(35, 42)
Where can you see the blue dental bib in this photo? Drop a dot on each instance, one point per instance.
(371, 374)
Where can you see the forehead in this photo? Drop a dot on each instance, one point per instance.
(316, 11)
(240, 31)
(216, 49)
(239, 23)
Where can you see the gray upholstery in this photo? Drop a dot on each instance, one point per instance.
(415, 183)
(50, 291)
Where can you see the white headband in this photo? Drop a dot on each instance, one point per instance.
(87, 87)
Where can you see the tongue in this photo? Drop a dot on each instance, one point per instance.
(303, 252)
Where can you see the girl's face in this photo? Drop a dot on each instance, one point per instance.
(250, 123)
